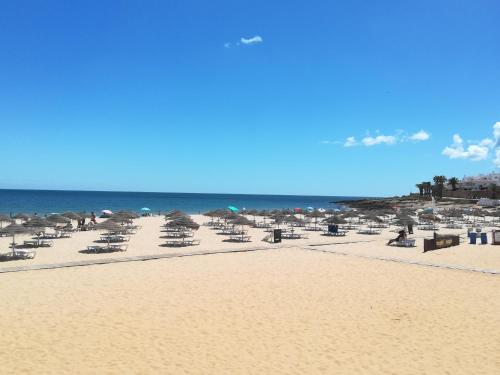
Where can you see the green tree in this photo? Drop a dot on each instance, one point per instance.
(439, 181)
(494, 191)
(453, 181)
(420, 188)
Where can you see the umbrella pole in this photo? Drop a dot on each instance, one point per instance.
(13, 244)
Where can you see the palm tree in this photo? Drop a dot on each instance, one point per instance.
(453, 181)
(420, 188)
(494, 191)
(439, 181)
(427, 187)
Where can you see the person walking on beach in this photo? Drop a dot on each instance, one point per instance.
(92, 218)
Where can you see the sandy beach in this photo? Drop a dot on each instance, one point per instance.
(291, 308)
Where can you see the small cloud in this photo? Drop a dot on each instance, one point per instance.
(254, 40)
(420, 136)
(350, 142)
(379, 139)
(474, 152)
(227, 45)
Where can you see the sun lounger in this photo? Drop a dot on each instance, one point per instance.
(18, 254)
(115, 238)
(106, 249)
(369, 231)
(404, 243)
(37, 243)
(181, 243)
(239, 238)
(314, 229)
(293, 236)
(338, 233)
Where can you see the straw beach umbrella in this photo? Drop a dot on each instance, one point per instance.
(72, 215)
(58, 219)
(14, 229)
(184, 222)
(4, 219)
(316, 214)
(21, 216)
(336, 220)
(128, 215)
(170, 215)
(241, 221)
(39, 222)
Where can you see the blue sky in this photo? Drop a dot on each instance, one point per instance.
(247, 96)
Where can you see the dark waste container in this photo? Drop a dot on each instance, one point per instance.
(410, 228)
(472, 238)
(333, 228)
(484, 238)
(277, 235)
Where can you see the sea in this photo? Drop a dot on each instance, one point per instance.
(59, 201)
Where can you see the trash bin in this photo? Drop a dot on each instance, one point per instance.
(333, 228)
(472, 238)
(277, 235)
(484, 238)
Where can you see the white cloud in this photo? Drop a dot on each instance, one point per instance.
(350, 142)
(254, 40)
(496, 161)
(379, 139)
(422, 135)
(496, 130)
(476, 150)
(473, 152)
(227, 45)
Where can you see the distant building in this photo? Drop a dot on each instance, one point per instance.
(480, 182)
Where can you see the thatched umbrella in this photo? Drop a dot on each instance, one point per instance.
(351, 214)
(242, 221)
(125, 215)
(372, 218)
(4, 219)
(253, 213)
(84, 215)
(39, 222)
(38, 225)
(429, 217)
(336, 220)
(14, 229)
(58, 219)
(278, 218)
(22, 216)
(316, 214)
(405, 220)
(292, 219)
(110, 226)
(184, 222)
(72, 215)
(174, 214)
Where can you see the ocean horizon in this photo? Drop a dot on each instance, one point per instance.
(50, 201)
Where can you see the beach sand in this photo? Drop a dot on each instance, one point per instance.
(281, 310)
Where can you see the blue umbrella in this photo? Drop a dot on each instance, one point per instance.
(145, 209)
(232, 209)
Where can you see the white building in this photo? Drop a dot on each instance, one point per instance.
(482, 181)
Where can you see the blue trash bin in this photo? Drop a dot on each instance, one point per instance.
(484, 238)
(472, 238)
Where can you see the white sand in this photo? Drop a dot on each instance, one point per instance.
(277, 311)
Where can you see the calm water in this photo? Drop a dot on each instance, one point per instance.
(48, 201)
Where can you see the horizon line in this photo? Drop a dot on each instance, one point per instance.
(194, 193)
